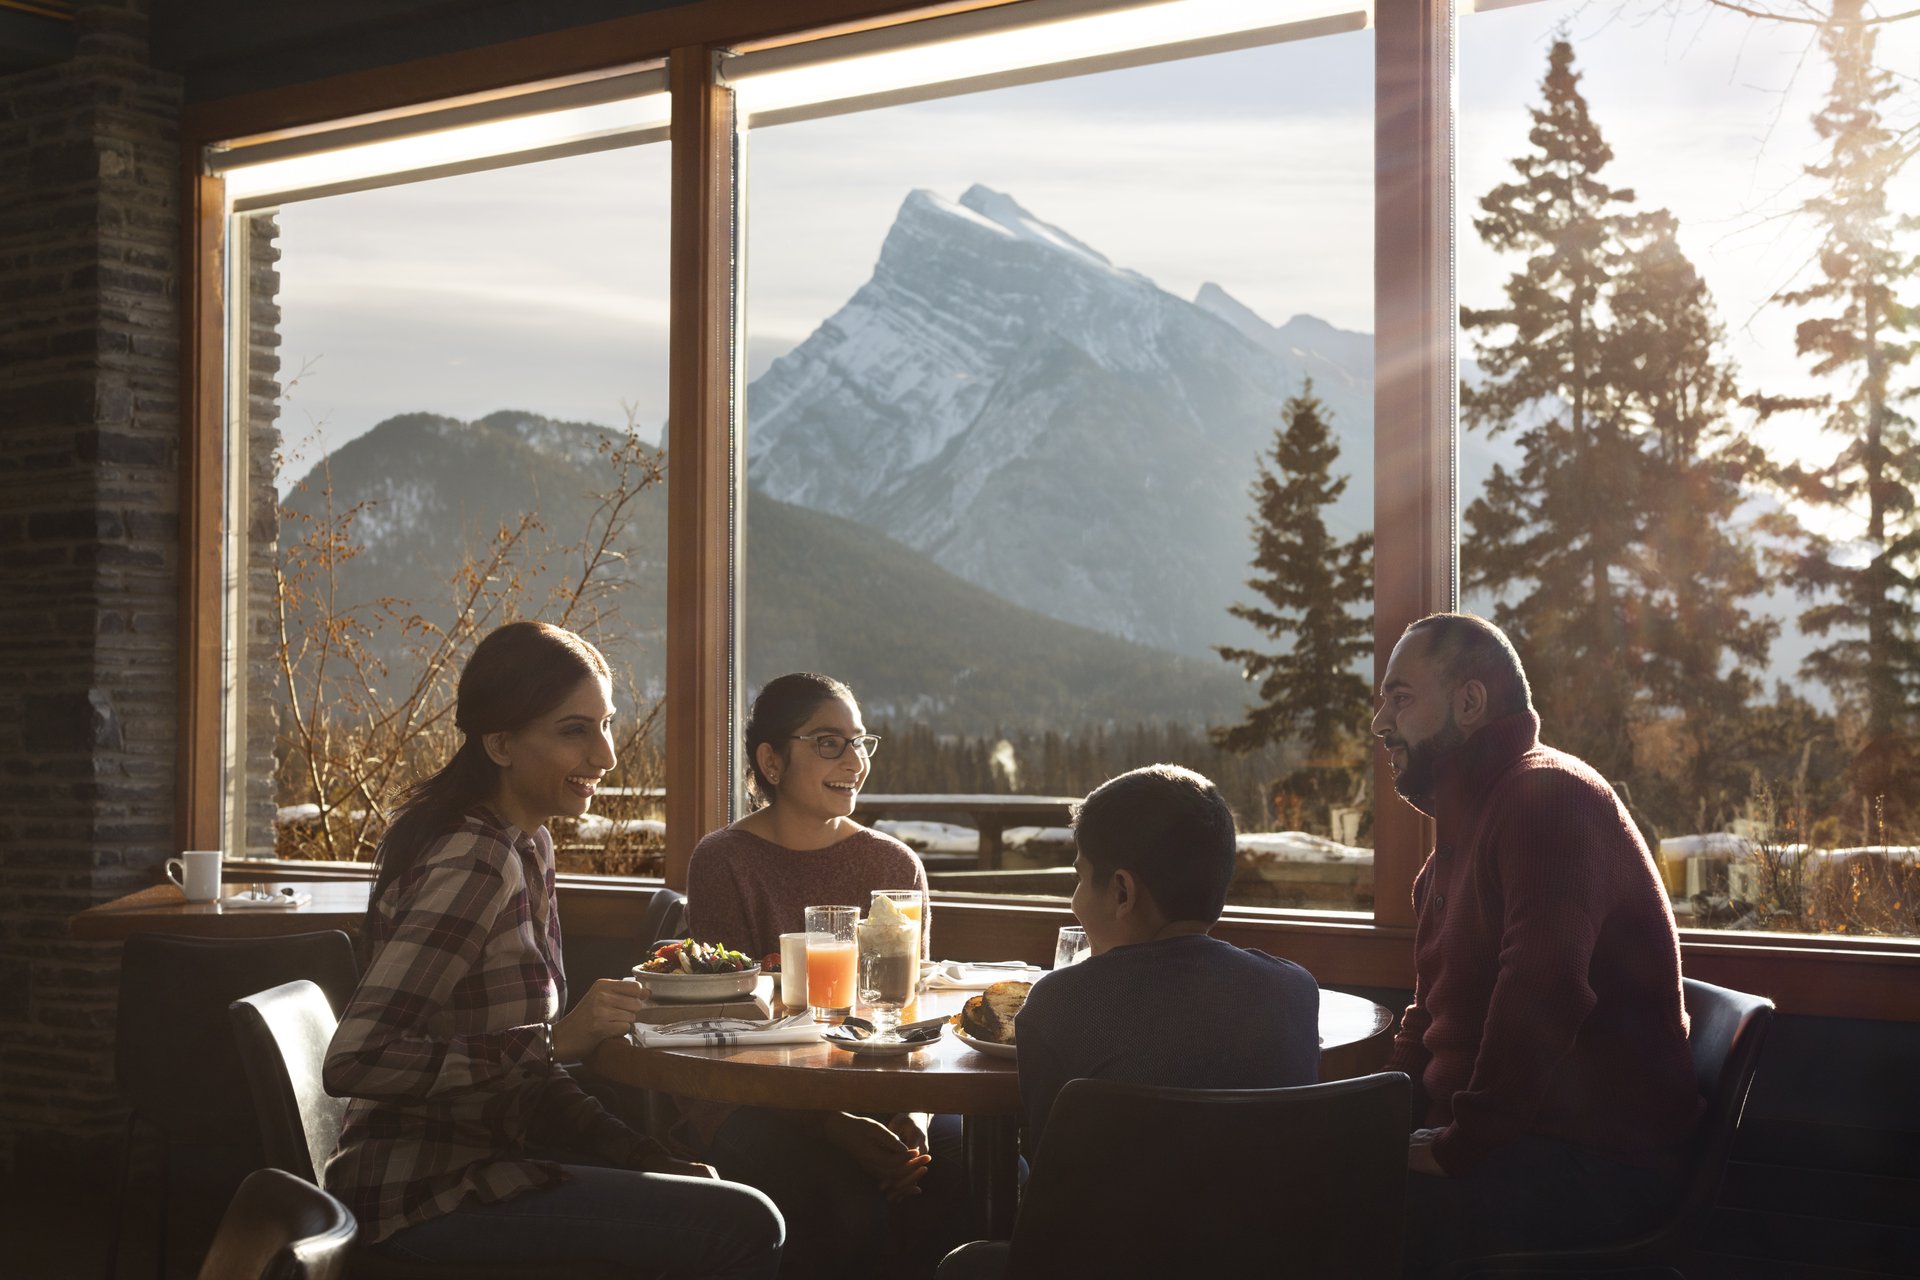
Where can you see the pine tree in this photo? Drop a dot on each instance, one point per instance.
(1859, 333)
(1698, 565)
(1311, 584)
(1552, 540)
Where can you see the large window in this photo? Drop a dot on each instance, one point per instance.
(974, 373)
(1059, 440)
(454, 408)
(1687, 461)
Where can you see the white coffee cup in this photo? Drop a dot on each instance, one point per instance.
(198, 872)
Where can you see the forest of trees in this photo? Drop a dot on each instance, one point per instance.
(1627, 550)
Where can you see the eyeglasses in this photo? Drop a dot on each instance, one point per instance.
(831, 746)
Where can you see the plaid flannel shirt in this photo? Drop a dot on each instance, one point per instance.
(446, 1048)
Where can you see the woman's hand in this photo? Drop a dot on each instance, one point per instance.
(607, 1010)
(894, 1165)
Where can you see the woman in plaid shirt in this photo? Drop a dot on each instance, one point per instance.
(465, 1140)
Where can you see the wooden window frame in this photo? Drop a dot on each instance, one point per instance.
(1416, 548)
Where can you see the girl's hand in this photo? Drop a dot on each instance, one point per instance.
(895, 1166)
(608, 1009)
(911, 1128)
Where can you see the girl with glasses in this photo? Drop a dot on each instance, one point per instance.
(861, 1195)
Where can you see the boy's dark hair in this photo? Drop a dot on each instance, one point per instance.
(1171, 828)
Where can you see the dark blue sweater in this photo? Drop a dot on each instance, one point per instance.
(1188, 1011)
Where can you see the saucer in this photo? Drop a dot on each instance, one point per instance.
(841, 1038)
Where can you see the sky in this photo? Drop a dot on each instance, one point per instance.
(544, 287)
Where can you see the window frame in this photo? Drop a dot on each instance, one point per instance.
(1415, 454)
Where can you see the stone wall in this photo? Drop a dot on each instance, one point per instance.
(90, 245)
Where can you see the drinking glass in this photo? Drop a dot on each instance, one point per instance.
(830, 961)
(888, 970)
(793, 971)
(911, 903)
(1072, 947)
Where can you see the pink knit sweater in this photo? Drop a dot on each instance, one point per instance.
(746, 891)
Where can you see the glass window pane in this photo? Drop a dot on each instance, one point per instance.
(1018, 362)
(457, 394)
(1685, 480)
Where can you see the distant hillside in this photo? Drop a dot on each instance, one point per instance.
(821, 592)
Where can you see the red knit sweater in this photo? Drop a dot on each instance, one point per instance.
(1547, 970)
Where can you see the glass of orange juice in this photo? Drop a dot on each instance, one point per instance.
(831, 969)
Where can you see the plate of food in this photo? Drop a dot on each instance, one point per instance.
(987, 1023)
(690, 971)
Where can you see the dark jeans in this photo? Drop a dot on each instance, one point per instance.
(1531, 1194)
(838, 1223)
(657, 1224)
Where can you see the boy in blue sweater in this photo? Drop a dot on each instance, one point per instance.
(1158, 1001)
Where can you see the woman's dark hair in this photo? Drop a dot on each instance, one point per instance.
(782, 707)
(518, 673)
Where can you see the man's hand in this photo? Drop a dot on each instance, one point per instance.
(894, 1165)
(1420, 1153)
(607, 1010)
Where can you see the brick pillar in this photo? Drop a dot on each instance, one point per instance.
(90, 241)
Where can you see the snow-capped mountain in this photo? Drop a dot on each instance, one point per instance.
(1057, 429)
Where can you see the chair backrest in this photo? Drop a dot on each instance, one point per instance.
(1137, 1180)
(279, 1227)
(1727, 1032)
(665, 917)
(283, 1035)
(174, 1054)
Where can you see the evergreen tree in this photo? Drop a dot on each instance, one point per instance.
(1698, 567)
(1311, 584)
(1859, 332)
(1552, 540)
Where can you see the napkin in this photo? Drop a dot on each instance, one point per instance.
(280, 901)
(798, 1028)
(959, 975)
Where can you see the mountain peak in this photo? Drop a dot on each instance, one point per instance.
(1007, 213)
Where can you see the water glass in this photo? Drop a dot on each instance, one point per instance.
(1072, 947)
(889, 970)
(793, 971)
(830, 961)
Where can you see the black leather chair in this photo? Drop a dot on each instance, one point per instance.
(280, 1227)
(176, 1064)
(283, 1035)
(1728, 1029)
(664, 918)
(1136, 1180)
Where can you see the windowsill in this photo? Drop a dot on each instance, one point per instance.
(1827, 975)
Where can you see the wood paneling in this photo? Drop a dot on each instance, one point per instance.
(556, 55)
(197, 822)
(700, 460)
(1413, 399)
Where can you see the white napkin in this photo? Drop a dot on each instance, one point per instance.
(798, 1028)
(959, 975)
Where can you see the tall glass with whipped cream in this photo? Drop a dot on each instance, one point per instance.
(888, 945)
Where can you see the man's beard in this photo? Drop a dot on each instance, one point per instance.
(1415, 782)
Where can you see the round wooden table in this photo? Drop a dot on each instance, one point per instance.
(946, 1077)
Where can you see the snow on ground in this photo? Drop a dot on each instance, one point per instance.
(931, 837)
(1300, 846)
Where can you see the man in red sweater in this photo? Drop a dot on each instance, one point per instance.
(1546, 1041)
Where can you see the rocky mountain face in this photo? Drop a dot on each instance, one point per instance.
(428, 495)
(1056, 429)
